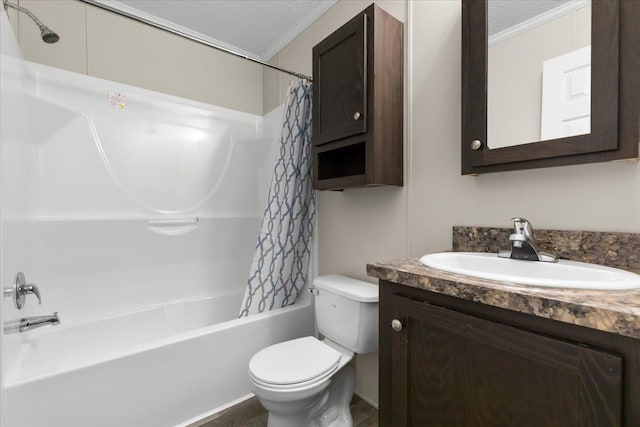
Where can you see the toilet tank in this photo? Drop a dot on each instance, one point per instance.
(347, 312)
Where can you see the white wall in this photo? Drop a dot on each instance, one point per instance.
(103, 44)
(372, 224)
(15, 169)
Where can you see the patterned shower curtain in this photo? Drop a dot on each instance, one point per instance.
(281, 261)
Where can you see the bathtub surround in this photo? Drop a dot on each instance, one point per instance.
(281, 261)
(93, 194)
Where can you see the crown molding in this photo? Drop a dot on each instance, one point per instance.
(537, 21)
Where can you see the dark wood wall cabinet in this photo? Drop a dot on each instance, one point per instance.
(450, 362)
(358, 103)
(615, 96)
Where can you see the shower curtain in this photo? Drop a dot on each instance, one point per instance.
(281, 261)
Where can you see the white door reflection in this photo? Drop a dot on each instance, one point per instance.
(566, 95)
(523, 35)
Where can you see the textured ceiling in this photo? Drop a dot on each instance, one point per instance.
(258, 28)
(503, 14)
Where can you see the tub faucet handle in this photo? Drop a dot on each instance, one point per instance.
(21, 289)
(32, 289)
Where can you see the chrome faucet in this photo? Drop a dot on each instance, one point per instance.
(28, 323)
(522, 244)
(20, 289)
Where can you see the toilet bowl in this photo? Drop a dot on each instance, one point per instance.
(309, 382)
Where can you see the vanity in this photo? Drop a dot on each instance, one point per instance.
(457, 350)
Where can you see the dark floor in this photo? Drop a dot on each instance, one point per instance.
(251, 414)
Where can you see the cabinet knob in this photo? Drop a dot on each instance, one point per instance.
(356, 115)
(476, 144)
(396, 325)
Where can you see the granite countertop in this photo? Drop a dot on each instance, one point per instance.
(611, 311)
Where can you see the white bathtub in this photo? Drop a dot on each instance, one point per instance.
(163, 366)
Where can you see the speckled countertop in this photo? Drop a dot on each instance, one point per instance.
(611, 311)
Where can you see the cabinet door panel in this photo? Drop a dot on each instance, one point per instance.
(452, 369)
(340, 84)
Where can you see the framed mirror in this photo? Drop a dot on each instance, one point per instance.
(548, 83)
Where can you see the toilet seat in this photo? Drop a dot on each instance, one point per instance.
(294, 364)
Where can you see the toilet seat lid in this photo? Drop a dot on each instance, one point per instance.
(292, 362)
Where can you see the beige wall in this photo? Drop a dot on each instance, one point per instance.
(362, 225)
(515, 80)
(105, 45)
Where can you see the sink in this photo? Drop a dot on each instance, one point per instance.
(562, 274)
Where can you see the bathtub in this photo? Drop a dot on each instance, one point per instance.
(167, 365)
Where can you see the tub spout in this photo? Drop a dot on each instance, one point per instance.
(28, 323)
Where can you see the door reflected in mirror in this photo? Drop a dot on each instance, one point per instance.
(538, 70)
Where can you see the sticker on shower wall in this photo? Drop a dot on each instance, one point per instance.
(117, 100)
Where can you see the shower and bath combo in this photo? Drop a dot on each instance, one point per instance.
(48, 36)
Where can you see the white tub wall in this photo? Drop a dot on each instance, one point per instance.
(166, 153)
(93, 268)
(105, 45)
(14, 168)
(88, 244)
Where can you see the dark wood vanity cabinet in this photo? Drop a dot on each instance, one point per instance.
(358, 103)
(458, 363)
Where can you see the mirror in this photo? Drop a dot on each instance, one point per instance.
(509, 49)
(544, 94)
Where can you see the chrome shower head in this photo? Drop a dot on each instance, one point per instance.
(47, 35)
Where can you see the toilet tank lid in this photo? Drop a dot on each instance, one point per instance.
(357, 290)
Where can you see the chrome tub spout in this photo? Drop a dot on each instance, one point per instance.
(28, 323)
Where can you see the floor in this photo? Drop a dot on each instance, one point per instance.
(251, 414)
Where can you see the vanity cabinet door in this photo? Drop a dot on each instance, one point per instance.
(451, 369)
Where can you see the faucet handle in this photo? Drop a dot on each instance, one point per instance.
(522, 226)
(32, 289)
(21, 289)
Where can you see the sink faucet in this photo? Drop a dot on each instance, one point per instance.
(522, 245)
(28, 323)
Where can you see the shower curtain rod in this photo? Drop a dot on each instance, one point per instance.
(196, 39)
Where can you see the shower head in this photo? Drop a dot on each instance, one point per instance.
(47, 35)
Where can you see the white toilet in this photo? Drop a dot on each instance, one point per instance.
(308, 382)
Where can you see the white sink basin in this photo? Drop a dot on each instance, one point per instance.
(562, 274)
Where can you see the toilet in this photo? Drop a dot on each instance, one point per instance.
(307, 382)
